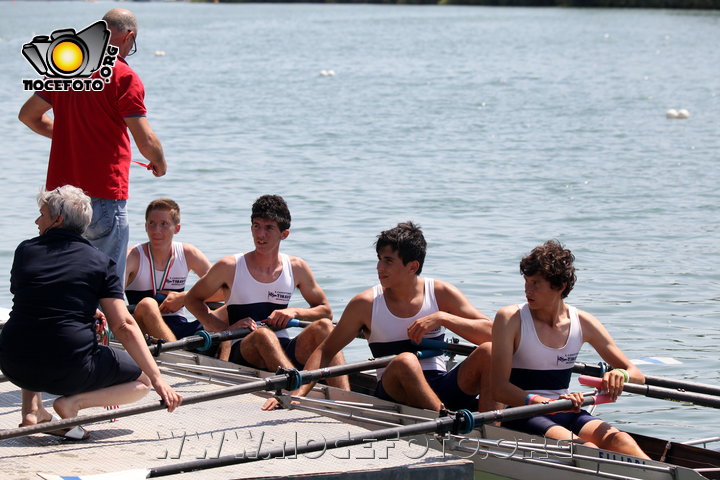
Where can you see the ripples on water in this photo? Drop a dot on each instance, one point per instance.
(494, 128)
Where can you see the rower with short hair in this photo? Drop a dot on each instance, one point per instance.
(157, 271)
(535, 345)
(258, 286)
(398, 314)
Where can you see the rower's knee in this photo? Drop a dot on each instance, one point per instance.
(618, 441)
(320, 329)
(261, 338)
(482, 355)
(404, 363)
(474, 371)
(145, 306)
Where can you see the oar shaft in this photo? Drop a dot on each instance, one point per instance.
(594, 370)
(681, 386)
(440, 425)
(273, 382)
(659, 392)
(674, 395)
(195, 341)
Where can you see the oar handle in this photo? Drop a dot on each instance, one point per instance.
(459, 348)
(590, 381)
(428, 353)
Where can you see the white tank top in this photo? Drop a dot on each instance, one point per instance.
(537, 368)
(388, 333)
(142, 284)
(250, 298)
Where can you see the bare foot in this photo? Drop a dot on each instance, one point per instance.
(65, 408)
(33, 418)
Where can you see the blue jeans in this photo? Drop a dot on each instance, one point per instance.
(109, 231)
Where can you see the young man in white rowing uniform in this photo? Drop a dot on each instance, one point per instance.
(258, 286)
(535, 346)
(157, 271)
(399, 313)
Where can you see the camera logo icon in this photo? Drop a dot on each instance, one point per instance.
(67, 54)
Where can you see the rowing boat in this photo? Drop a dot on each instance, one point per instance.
(493, 450)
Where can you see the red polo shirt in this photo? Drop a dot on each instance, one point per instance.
(91, 145)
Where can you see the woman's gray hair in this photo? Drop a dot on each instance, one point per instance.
(70, 202)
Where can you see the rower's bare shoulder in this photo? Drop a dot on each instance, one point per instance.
(225, 265)
(508, 315)
(589, 323)
(446, 292)
(299, 265)
(364, 298)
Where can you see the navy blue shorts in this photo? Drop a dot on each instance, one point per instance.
(287, 344)
(573, 421)
(445, 385)
(106, 367)
(180, 327)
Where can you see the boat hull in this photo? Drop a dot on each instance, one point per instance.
(494, 450)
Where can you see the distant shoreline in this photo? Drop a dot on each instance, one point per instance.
(667, 4)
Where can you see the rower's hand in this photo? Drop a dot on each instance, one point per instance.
(273, 403)
(417, 330)
(173, 302)
(246, 322)
(577, 399)
(171, 398)
(613, 382)
(280, 318)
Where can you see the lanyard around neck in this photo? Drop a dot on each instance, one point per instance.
(166, 270)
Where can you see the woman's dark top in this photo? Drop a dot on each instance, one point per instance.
(57, 280)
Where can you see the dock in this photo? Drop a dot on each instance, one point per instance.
(228, 426)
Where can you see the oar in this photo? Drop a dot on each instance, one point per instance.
(463, 422)
(161, 296)
(658, 392)
(680, 385)
(289, 380)
(588, 369)
(203, 340)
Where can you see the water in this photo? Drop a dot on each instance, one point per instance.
(495, 129)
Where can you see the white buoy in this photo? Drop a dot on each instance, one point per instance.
(672, 113)
(683, 114)
(159, 53)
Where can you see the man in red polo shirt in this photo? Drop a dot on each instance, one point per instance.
(90, 142)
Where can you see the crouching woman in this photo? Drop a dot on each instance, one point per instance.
(49, 343)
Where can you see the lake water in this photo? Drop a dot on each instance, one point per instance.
(494, 128)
